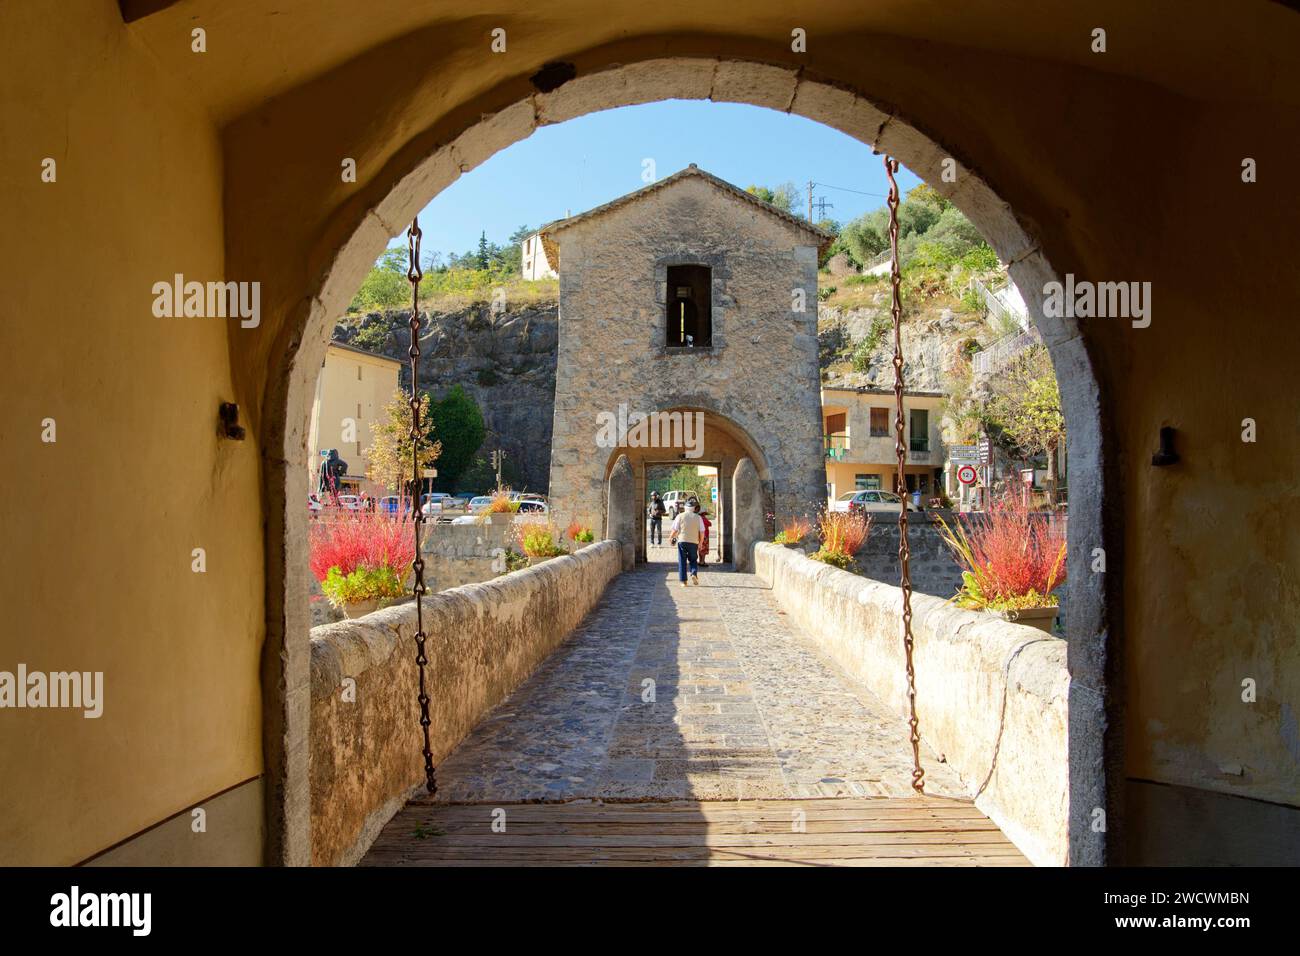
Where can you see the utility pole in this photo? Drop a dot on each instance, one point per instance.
(810, 189)
(498, 456)
(822, 206)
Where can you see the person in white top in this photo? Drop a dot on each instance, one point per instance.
(687, 529)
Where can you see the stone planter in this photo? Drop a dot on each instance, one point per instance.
(1043, 618)
(360, 608)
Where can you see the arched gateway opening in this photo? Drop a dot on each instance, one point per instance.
(710, 442)
(359, 229)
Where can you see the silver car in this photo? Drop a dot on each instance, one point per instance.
(869, 501)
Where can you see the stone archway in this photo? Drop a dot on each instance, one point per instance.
(356, 232)
(725, 443)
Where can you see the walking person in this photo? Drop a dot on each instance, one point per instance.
(704, 537)
(687, 528)
(657, 512)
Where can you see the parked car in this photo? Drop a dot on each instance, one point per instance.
(479, 504)
(390, 504)
(531, 506)
(870, 501)
(350, 502)
(672, 498)
(314, 504)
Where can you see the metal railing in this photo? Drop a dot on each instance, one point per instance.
(992, 302)
(1004, 350)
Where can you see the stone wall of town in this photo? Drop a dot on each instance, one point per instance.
(484, 640)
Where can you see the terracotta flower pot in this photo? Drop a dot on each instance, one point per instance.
(1043, 618)
(360, 608)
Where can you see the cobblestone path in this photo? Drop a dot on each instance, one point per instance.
(700, 693)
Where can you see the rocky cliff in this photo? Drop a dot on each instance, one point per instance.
(506, 360)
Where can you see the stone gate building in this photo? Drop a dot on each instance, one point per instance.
(694, 302)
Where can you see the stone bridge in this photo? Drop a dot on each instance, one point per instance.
(591, 710)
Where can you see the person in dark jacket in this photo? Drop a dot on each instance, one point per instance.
(656, 510)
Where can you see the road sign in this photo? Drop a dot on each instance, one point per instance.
(713, 493)
(966, 475)
(963, 453)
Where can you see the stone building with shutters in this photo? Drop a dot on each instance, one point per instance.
(694, 303)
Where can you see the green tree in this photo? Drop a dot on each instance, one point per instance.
(867, 236)
(784, 197)
(688, 478)
(457, 423)
(484, 251)
(1026, 404)
(389, 455)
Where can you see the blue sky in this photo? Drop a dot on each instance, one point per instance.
(587, 161)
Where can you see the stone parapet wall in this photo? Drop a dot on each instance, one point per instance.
(991, 695)
(484, 640)
(934, 571)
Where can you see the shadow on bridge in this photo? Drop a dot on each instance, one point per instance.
(688, 726)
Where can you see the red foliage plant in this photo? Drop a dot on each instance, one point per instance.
(1008, 552)
(844, 532)
(361, 539)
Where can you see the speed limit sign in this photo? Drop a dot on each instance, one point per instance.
(966, 475)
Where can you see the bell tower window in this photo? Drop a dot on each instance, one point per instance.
(690, 306)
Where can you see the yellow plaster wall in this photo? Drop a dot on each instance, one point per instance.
(1123, 167)
(98, 528)
(341, 395)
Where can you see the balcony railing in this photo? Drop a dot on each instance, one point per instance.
(919, 444)
(836, 446)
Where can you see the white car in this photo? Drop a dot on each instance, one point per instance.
(479, 504)
(869, 500)
(529, 510)
(673, 498)
(314, 504)
(350, 502)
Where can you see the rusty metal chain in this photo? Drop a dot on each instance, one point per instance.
(900, 447)
(413, 275)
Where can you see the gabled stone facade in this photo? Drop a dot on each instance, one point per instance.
(757, 379)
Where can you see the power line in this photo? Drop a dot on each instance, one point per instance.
(847, 190)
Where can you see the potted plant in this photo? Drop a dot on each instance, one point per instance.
(843, 533)
(579, 533)
(792, 534)
(361, 558)
(1012, 562)
(537, 542)
(499, 505)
